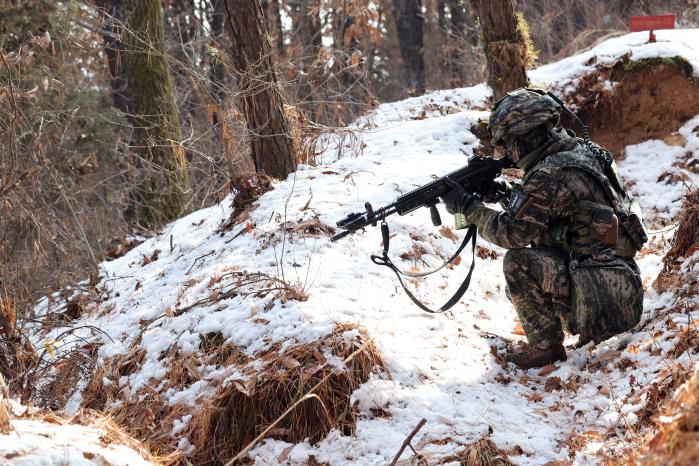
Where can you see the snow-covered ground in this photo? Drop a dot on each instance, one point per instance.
(441, 366)
(34, 439)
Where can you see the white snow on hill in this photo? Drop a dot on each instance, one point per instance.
(49, 440)
(441, 366)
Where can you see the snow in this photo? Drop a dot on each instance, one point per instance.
(441, 366)
(36, 441)
(669, 43)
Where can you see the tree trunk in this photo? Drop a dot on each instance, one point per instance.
(273, 23)
(459, 37)
(503, 44)
(409, 22)
(270, 142)
(160, 194)
(216, 70)
(114, 49)
(306, 30)
(179, 20)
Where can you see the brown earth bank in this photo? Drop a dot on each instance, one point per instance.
(650, 99)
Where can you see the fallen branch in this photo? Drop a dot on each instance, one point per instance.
(407, 441)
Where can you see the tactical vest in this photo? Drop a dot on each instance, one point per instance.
(596, 230)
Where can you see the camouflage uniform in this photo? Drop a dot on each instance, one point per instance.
(579, 274)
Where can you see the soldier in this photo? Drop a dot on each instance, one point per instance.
(570, 229)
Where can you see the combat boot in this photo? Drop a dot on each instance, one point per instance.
(536, 356)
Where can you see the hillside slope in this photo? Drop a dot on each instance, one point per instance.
(184, 321)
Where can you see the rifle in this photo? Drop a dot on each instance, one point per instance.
(477, 177)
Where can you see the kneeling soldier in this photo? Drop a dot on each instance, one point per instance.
(570, 229)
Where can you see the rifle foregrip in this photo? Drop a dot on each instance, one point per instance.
(434, 214)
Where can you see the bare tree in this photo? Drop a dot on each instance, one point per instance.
(409, 20)
(306, 30)
(270, 142)
(161, 190)
(111, 32)
(273, 22)
(504, 45)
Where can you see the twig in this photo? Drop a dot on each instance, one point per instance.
(198, 258)
(243, 230)
(407, 441)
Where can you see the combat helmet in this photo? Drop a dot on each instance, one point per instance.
(520, 112)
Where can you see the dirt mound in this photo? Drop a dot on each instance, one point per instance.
(633, 101)
(297, 393)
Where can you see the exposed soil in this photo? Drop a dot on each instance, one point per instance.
(652, 99)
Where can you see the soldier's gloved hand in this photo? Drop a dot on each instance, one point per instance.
(456, 200)
(497, 191)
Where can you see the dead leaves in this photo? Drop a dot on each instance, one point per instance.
(486, 253)
(414, 254)
(448, 233)
(153, 257)
(313, 227)
(518, 330)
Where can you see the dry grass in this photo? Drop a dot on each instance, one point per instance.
(241, 411)
(5, 409)
(677, 442)
(224, 423)
(483, 452)
(686, 239)
(684, 244)
(659, 392)
(114, 434)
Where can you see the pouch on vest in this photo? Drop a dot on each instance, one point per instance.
(607, 298)
(605, 225)
(633, 223)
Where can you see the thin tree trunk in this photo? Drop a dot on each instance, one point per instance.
(503, 44)
(410, 22)
(273, 23)
(216, 86)
(270, 142)
(306, 30)
(441, 16)
(216, 70)
(457, 36)
(161, 192)
(183, 34)
(114, 50)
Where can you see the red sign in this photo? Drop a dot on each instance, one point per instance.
(651, 23)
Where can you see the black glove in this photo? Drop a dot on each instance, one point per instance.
(457, 200)
(497, 191)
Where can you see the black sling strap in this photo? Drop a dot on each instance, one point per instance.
(383, 259)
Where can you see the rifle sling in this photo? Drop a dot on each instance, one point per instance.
(383, 259)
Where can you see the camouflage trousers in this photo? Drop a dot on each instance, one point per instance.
(595, 299)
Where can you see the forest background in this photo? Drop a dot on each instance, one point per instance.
(118, 116)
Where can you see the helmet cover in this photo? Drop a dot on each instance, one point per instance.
(520, 112)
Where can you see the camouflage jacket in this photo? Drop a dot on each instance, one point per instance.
(558, 205)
